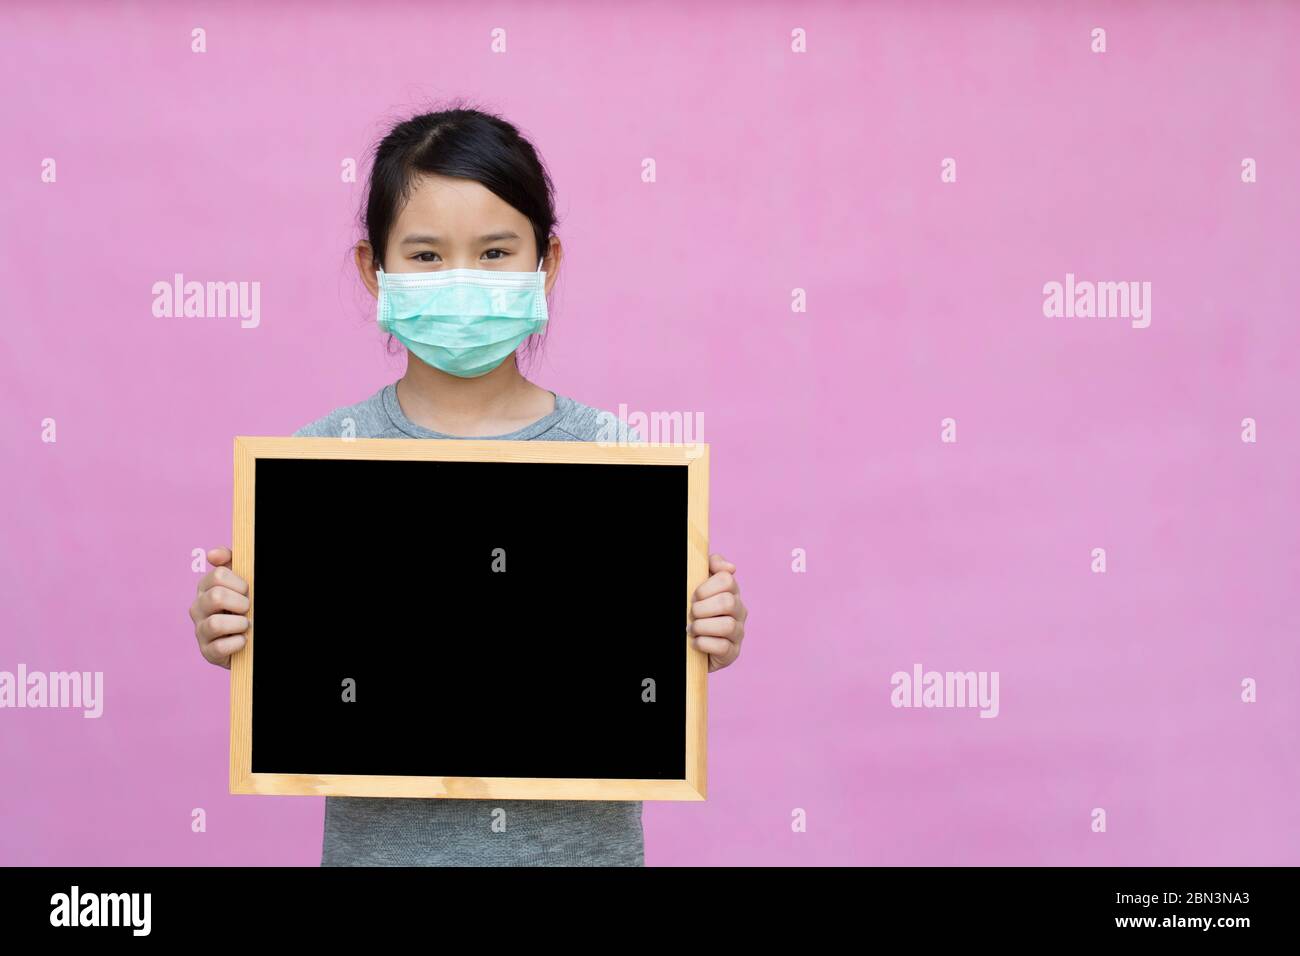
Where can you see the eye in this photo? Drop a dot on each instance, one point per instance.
(490, 251)
(421, 256)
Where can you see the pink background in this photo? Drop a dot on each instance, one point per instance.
(775, 171)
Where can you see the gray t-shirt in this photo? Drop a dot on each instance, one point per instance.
(380, 831)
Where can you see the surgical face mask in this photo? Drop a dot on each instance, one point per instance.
(462, 321)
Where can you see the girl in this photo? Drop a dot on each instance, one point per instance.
(462, 189)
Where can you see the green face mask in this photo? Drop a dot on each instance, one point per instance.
(463, 321)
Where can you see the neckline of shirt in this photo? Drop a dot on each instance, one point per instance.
(405, 425)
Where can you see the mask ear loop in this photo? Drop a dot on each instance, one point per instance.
(542, 289)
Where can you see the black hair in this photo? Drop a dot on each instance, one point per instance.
(466, 143)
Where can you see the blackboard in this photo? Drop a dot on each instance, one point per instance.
(469, 619)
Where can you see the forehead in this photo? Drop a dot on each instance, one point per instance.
(451, 204)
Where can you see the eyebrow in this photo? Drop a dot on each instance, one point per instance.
(434, 240)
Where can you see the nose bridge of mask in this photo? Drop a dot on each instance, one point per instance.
(379, 270)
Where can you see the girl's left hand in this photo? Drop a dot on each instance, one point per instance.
(718, 615)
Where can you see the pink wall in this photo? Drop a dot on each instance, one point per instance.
(776, 171)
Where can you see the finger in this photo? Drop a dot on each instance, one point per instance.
(724, 651)
(724, 627)
(225, 578)
(220, 625)
(219, 651)
(221, 598)
(725, 603)
(716, 584)
(718, 563)
(207, 581)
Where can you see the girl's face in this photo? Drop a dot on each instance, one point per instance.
(458, 224)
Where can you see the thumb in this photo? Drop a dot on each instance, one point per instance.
(718, 563)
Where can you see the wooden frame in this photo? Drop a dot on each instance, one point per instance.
(696, 459)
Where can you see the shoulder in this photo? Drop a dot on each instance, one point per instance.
(581, 422)
(364, 419)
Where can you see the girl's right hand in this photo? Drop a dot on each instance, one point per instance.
(219, 610)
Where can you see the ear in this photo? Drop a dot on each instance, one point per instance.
(366, 265)
(550, 264)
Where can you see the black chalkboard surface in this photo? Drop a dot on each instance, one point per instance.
(508, 622)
